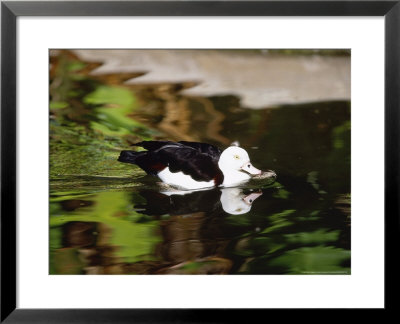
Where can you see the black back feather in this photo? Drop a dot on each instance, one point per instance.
(199, 160)
(204, 148)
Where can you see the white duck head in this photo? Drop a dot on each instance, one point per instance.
(234, 163)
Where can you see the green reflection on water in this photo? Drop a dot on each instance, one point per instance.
(131, 241)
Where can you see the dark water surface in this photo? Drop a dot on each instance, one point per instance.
(110, 218)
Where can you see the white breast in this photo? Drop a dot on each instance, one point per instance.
(179, 179)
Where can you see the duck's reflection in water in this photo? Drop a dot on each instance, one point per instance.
(193, 237)
(191, 225)
(234, 201)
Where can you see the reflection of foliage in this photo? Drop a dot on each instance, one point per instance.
(112, 115)
(89, 118)
(133, 241)
(314, 260)
(281, 241)
(318, 236)
(302, 252)
(183, 117)
(279, 220)
(75, 95)
(341, 136)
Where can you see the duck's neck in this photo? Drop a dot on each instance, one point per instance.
(234, 177)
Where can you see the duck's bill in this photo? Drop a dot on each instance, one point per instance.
(268, 174)
(249, 168)
(249, 199)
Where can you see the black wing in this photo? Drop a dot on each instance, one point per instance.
(204, 148)
(198, 160)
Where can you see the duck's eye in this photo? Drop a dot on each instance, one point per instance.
(237, 157)
(248, 165)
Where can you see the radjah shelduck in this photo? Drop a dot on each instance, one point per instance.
(192, 165)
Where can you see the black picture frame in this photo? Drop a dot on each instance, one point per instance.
(10, 11)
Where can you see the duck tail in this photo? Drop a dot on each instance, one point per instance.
(129, 156)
